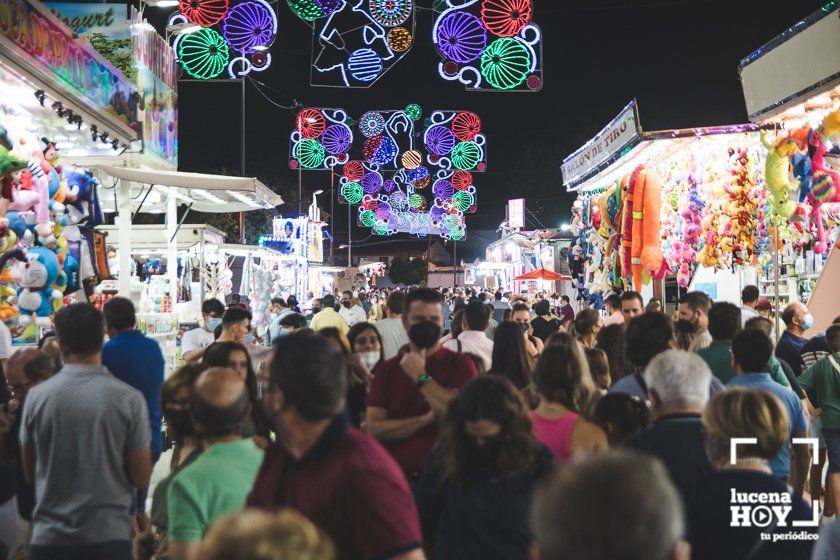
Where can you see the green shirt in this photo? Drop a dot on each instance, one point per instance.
(216, 483)
(824, 381)
(718, 356)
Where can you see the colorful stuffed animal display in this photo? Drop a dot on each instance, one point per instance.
(777, 173)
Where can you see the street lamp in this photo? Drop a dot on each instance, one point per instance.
(565, 227)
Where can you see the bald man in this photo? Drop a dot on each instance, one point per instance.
(797, 320)
(218, 481)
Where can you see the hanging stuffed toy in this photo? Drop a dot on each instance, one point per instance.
(627, 229)
(826, 183)
(777, 172)
(37, 274)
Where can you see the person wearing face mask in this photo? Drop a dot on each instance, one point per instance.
(279, 309)
(409, 390)
(236, 327)
(694, 310)
(797, 320)
(365, 349)
(196, 339)
(475, 492)
(325, 315)
(351, 310)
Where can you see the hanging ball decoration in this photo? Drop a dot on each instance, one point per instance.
(310, 123)
(367, 218)
(205, 13)
(352, 192)
(372, 124)
(399, 200)
(413, 111)
(466, 155)
(461, 180)
(372, 182)
(354, 170)
(439, 140)
(380, 227)
(412, 159)
(443, 189)
(462, 200)
(250, 26)
(416, 201)
(506, 18)
(418, 177)
(466, 126)
(390, 13)
(823, 186)
(337, 139)
(203, 54)
(460, 38)
(389, 186)
(310, 153)
(400, 39)
(452, 221)
(505, 63)
(380, 150)
(364, 65)
(456, 235)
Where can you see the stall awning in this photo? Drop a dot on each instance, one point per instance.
(206, 192)
(542, 274)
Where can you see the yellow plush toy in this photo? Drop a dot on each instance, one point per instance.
(777, 174)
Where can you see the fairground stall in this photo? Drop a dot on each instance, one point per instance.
(793, 84)
(60, 101)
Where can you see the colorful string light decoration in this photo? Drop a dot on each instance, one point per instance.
(380, 150)
(466, 126)
(321, 139)
(203, 54)
(205, 13)
(461, 180)
(352, 192)
(354, 170)
(372, 182)
(360, 40)
(411, 159)
(489, 44)
(250, 26)
(413, 111)
(372, 124)
(466, 155)
(367, 218)
(506, 18)
(439, 140)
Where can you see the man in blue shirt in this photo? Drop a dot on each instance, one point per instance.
(136, 360)
(751, 350)
(797, 320)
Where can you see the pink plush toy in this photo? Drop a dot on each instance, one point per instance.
(826, 187)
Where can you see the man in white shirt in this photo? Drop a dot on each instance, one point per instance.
(196, 339)
(392, 329)
(749, 298)
(613, 307)
(6, 349)
(473, 339)
(351, 311)
(279, 310)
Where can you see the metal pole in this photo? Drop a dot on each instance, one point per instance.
(776, 271)
(349, 238)
(300, 191)
(242, 161)
(454, 264)
(332, 213)
(124, 237)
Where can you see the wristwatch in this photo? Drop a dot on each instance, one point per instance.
(423, 379)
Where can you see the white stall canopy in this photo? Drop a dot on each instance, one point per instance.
(797, 74)
(206, 192)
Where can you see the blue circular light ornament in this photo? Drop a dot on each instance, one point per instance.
(461, 37)
(364, 65)
(418, 177)
(380, 150)
(372, 182)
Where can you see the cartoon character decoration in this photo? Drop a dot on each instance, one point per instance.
(777, 173)
(38, 274)
(826, 181)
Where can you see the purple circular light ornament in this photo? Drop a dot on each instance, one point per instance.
(437, 213)
(383, 211)
(461, 37)
(399, 200)
(440, 140)
(443, 189)
(372, 182)
(250, 26)
(337, 139)
(389, 186)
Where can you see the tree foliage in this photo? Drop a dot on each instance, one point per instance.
(407, 270)
(116, 51)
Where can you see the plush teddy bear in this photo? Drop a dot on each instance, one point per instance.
(37, 274)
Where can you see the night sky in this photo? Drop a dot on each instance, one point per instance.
(678, 58)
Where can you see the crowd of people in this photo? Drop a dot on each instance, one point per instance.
(423, 423)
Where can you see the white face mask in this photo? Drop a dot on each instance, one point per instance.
(370, 359)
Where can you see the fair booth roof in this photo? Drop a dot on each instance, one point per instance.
(206, 193)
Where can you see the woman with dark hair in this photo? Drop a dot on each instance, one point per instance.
(358, 375)
(365, 349)
(510, 359)
(611, 340)
(235, 356)
(599, 368)
(562, 380)
(455, 325)
(620, 416)
(544, 324)
(586, 326)
(475, 491)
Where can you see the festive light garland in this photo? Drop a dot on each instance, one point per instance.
(489, 44)
(321, 139)
(203, 54)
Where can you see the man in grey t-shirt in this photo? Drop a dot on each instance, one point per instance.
(85, 445)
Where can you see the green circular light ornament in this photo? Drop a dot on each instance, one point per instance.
(462, 200)
(466, 155)
(307, 10)
(203, 54)
(352, 192)
(416, 201)
(380, 228)
(505, 63)
(456, 234)
(310, 153)
(414, 111)
(452, 221)
(368, 218)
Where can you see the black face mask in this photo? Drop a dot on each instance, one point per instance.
(346, 304)
(180, 423)
(684, 326)
(424, 334)
(316, 310)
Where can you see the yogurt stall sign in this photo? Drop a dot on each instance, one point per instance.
(36, 36)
